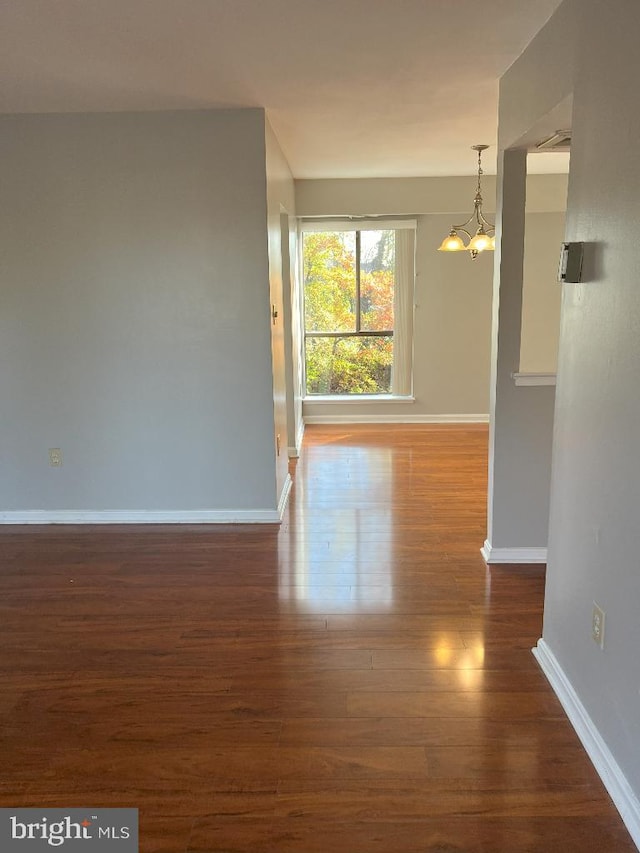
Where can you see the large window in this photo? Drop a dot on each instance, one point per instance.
(358, 286)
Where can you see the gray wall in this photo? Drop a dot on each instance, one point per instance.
(134, 330)
(595, 492)
(520, 434)
(521, 430)
(541, 293)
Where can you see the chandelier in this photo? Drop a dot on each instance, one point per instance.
(484, 239)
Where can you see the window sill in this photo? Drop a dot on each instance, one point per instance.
(358, 398)
(534, 378)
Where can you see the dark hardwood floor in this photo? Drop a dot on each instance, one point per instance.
(354, 681)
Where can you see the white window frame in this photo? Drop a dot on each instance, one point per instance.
(404, 297)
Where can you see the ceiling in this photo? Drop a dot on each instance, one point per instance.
(353, 88)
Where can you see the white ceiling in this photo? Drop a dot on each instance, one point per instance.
(353, 88)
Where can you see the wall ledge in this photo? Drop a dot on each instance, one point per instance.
(601, 757)
(512, 555)
(534, 378)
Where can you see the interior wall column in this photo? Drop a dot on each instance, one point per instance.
(520, 437)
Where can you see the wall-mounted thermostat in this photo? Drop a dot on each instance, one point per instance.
(570, 269)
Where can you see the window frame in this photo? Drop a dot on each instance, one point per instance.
(337, 225)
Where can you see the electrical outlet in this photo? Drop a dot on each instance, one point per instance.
(597, 625)
(55, 457)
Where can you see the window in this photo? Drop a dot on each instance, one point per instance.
(358, 295)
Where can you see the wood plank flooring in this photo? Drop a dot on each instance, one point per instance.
(355, 681)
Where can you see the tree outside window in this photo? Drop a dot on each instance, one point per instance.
(349, 279)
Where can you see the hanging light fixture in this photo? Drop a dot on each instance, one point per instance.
(484, 239)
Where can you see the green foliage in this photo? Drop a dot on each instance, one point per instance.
(349, 365)
(330, 281)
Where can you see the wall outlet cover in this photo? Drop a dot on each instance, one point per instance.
(55, 457)
(597, 624)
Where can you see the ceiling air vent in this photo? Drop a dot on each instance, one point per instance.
(558, 141)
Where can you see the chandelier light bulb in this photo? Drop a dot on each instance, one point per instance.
(481, 242)
(452, 243)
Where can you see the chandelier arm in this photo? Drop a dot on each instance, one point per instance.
(464, 224)
(485, 221)
(457, 228)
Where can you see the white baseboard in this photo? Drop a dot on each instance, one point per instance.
(512, 555)
(605, 764)
(284, 496)
(226, 516)
(294, 452)
(396, 419)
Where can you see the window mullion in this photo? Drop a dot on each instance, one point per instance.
(366, 334)
(358, 242)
